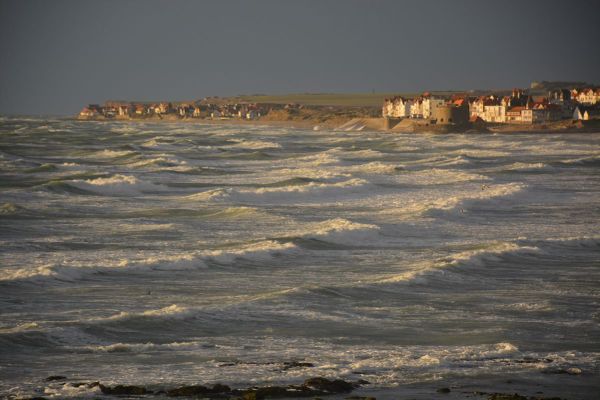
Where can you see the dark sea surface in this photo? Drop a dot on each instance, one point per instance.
(169, 254)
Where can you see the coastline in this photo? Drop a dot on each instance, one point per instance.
(374, 124)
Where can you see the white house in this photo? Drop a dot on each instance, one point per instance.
(396, 107)
(586, 96)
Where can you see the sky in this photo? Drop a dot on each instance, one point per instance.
(57, 56)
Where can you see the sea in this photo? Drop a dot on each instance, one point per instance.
(170, 254)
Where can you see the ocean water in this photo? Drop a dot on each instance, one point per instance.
(169, 254)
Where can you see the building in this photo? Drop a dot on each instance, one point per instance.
(396, 107)
(89, 112)
(453, 112)
(586, 96)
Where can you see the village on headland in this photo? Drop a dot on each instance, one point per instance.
(545, 106)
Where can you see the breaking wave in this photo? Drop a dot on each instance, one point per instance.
(312, 192)
(469, 258)
(116, 185)
(336, 231)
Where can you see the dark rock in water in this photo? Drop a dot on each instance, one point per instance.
(55, 378)
(271, 392)
(505, 396)
(197, 390)
(362, 382)
(296, 364)
(188, 391)
(218, 388)
(325, 385)
(36, 398)
(123, 390)
(443, 390)
(360, 398)
(310, 388)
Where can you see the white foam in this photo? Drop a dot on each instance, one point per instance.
(252, 144)
(27, 326)
(374, 167)
(112, 153)
(407, 206)
(170, 312)
(341, 231)
(311, 192)
(163, 161)
(143, 347)
(438, 176)
(118, 185)
(520, 166)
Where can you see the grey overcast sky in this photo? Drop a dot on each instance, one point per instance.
(56, 56)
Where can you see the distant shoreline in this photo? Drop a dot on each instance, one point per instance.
(373, 124)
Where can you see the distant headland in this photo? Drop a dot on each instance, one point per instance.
(544, 107)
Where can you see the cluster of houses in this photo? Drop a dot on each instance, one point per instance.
(517, 108)
(128, 110)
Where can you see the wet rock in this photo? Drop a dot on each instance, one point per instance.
(326, 385)
(198, 390)
(361, 382)
(219, 388)
(360, 398)
(443, 390)
(271, 392)
(296, 364)
(124, 390)
(55, 378)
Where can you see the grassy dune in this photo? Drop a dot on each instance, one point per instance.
(323, 99)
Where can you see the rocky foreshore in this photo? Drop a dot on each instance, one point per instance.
(315, 388)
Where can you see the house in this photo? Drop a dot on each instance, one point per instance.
(140, 110)
(534, 112)
(89, 112)
(396, 107)
(124, 110)
(422, 106)
(513, 115)
(416, 108)
(494, 112)
(586, 96)
(252, 114)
